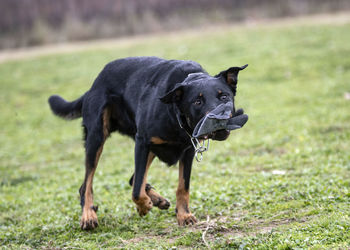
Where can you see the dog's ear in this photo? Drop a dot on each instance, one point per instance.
(173, 95)
(231, 76)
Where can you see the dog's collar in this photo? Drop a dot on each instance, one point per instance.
(198, 148)
(184, 125)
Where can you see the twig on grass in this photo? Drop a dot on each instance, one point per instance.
(205, 232)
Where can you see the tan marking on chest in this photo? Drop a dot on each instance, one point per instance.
(157, 140)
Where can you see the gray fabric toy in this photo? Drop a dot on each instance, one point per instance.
(220, 118)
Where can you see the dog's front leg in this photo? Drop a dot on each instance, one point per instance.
(183, 214)
(143, 159)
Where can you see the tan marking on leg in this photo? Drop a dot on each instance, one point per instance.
(89, 217)
(183, 214)
(144, 203)
(106, 118)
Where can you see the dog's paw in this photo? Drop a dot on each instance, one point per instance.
(157, 199)
(186, 219)
(162, 203)
(89, 219)
(143, 206)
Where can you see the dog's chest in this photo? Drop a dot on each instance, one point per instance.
(168, 153)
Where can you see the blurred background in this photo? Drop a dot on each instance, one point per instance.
(35, 22)
(281, 182)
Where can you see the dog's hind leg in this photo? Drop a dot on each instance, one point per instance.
(183, 214)
(157, 200)
(96, 135)
(143, 160)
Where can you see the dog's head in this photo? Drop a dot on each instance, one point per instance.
(201, 94)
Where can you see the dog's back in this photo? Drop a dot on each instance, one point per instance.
(131, 87)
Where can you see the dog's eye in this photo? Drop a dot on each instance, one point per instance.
(198, 102)
(223, 97)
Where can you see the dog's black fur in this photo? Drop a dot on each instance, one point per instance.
(148, 98)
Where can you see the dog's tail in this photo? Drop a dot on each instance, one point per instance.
(64, 109)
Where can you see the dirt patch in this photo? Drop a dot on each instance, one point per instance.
(263, 227)
(334, 129)
(149, 237)
(210, 228)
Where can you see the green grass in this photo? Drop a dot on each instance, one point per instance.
(283, 181)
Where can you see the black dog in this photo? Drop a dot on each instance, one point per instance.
(158, 103)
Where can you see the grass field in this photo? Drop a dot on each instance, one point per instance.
(283, 181)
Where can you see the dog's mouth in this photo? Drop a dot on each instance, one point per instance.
(218, 123)
(219, 135)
